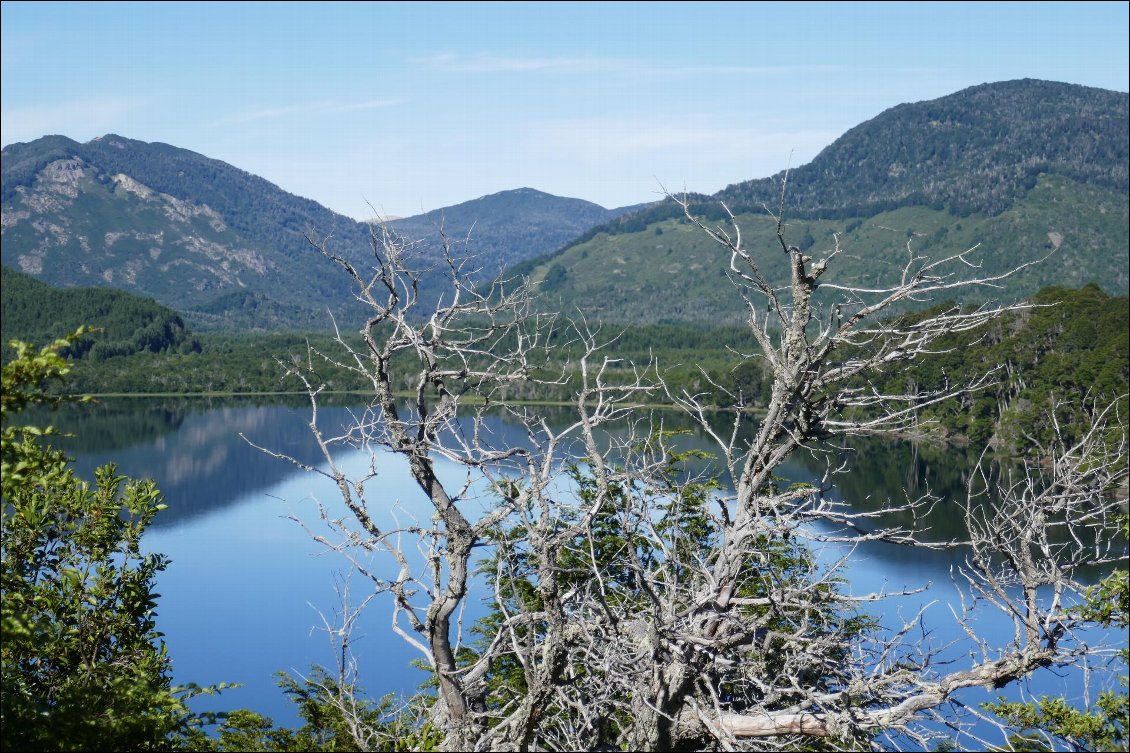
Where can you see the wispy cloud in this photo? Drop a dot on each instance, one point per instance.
(322, 107)
(451, 62)
(503, 64)
(608, 138)
(633, 155)
(78, 118)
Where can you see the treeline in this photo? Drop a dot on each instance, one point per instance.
(1067, 354)
(1069, 344)
(126, 324)
(226, 363)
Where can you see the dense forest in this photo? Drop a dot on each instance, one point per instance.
(1070, 347)
(124, 324)
(1070, 342)
(975, 151)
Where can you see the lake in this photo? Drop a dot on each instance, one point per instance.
(247, 587)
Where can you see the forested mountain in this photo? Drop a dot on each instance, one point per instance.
(505, 228)
(35, 312)
(973, 152)
(164, 222)
(1023, 168)
(226, 248)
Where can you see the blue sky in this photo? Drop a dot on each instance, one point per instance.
(415, 106)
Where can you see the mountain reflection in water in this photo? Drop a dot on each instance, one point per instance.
(242, 597)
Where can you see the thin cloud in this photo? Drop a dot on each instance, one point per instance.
(306, 108)
(503, 64)
(600, 139)
(582, 65)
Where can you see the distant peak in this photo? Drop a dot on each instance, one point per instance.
(523, 191)
(112, 139)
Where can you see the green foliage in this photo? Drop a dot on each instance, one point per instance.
(1108, 602)
(1054, 724)
(26, 379)
(1072, 343)
(84, 667)
(327, 726)
(637, 563)
(121, 324)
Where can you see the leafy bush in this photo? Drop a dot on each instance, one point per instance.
(84, 667)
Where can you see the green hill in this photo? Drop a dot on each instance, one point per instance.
(1022, 168)
(1071, 347)
(35, 312)
(973, 152)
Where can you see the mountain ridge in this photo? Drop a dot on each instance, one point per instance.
(1024, 167)
(831, 170)
(227, 248)
(1039, 167)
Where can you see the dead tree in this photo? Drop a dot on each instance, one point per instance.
(636, 606)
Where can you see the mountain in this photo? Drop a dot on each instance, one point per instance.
(165, 222)
(976, 151)
(1023, 168)
(226, 248)
(505, 228)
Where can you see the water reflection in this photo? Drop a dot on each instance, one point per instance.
(239, 601)
(192, 448)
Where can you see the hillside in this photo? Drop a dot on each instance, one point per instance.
(226, 248)
(973, 152)
(509, 227)
(1023, 168)
(37, 313)
(164, 222)
(1072, 343)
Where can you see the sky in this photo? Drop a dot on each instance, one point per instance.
(400, 108)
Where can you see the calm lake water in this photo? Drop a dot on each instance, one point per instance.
(243, 596)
